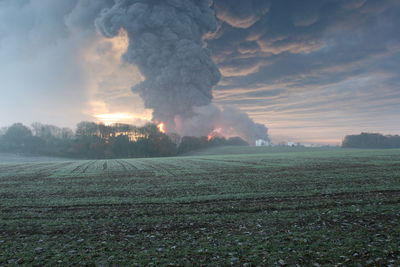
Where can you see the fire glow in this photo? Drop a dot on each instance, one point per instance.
(161, 127)
(214, 133)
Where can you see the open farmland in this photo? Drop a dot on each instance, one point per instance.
(236, 150)
(309, 207)
(15, 158)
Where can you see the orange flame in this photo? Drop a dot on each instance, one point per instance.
(214, 133)
(161, 127)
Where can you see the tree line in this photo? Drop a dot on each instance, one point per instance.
(99, 141)
(371, 140)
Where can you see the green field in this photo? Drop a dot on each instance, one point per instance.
(237, 150)
(273, 207)
(13, 158)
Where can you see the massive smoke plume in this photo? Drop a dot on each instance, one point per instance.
(166, 43)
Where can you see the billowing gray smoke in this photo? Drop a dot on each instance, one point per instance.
(227, 122)
(166, 43)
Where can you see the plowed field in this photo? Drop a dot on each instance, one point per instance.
(307, 208)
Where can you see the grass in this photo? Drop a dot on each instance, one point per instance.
(13, 158)
(227, 150)
(307, 207)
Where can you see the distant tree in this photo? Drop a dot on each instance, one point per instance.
(46, 131)
(18, 132)
(149, 130)
(17, 138)
(155, 143)
(394, 141)
(3, 131)
(175, 138)
(86, 128)
(217, 141)
(122, 127)
(236, 141)
(190, 143)
(37, 129)
(120, 147)
(371, 140)
(164, 146)
(105, 131)
(67, 133)
(96, 140)
(88, 146)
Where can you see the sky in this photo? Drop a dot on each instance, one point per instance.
(311, 70)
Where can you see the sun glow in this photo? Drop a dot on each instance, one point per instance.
(110, 99)
(112, 118)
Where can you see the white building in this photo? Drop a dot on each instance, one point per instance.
(261, 142)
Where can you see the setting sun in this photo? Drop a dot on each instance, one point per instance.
(111, 118)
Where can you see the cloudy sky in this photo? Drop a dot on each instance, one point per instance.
(311, 70)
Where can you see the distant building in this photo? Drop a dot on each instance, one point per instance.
(310, 145)
(261, 142)
(294, 144)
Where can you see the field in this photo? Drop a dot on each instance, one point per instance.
(309, 207)
(12, 158)
(237, 150)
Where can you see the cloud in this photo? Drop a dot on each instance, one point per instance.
(332, 64)
(241, 67)
(282, 44)
(294, 52)
(353, 4)
(241, 14)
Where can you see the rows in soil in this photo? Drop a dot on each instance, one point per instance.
(307, 211)
(234, 205)
(250, 237)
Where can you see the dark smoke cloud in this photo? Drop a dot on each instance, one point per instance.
(166, 43)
